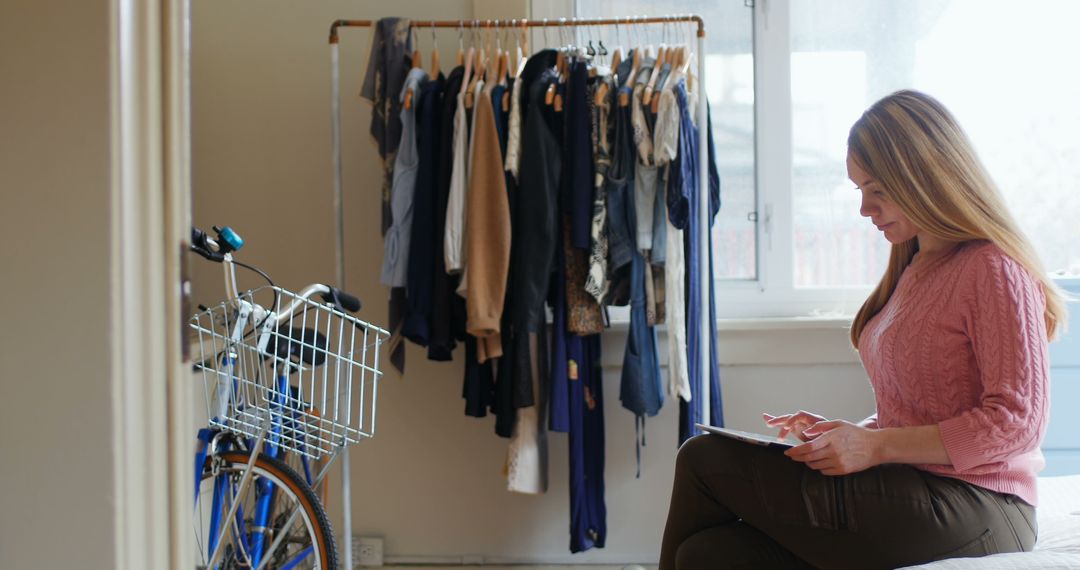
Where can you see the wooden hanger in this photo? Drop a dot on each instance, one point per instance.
(491, 65)
(519, 66)
(624, 97)
(549, 95)
(558, 94)
(435, 71)
(416, 62)
(601, 93)
(670, 59)
(461, 44)
(691, 79)
(467, 61)
(479, 67)
(503, 66)
(650, 86)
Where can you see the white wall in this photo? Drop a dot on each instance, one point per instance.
(56, 508)
(431, 481)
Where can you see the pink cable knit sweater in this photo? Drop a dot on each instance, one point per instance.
(962, 344)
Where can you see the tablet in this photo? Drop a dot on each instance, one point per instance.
(754, 438)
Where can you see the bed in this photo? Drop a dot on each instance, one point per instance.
(1058, 546)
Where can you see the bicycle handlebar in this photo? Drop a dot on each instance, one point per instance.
(220, 250)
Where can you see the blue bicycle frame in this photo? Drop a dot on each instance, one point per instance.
(252, 537)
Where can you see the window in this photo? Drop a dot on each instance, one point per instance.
(999, 66)
(788, 78)
(729, 75)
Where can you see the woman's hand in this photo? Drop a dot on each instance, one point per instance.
(838, 447)
(795, 423)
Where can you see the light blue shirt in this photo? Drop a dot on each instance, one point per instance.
(396, 243)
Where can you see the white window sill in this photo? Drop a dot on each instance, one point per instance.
(785, 323)
(620, 321)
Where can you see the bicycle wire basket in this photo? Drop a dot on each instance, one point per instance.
(311, 381)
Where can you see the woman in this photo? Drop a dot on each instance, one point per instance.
(954, 339)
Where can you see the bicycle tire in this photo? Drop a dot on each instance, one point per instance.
(313, 517)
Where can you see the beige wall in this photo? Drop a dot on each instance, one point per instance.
(431, 481)
(56, 508)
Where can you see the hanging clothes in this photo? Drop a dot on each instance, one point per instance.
(478, 386)
(666, 146)
(579, 150)
(387, 67)
(421, 261)
(525, 356)
(658, 252)
(388, 64)
(513, 138)
(583, 311)
(448, 310)
(507, 415)
(535, 221)
(640, 389)
(620, 207)
(487, 233)
(518, 212)
(644, 166)
(470, 114)
(597, 282)
(650, 230)
(683, 192)
(527, 452)
(396, 245)
(577, 382)
(454, 238)
(588, 510)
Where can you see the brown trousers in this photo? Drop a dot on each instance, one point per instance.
(740, 505)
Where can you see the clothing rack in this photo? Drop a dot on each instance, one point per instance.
(703, 176)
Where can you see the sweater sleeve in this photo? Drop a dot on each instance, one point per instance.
(1005, 322)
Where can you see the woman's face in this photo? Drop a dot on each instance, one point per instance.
(882, 212)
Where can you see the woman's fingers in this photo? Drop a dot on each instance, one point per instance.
(789, 426)
(776, 420)
(796, 423)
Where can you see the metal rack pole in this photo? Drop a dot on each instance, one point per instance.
(705, 235)
(339, 226)
(526, 23)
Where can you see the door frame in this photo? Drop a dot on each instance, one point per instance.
(150, 206)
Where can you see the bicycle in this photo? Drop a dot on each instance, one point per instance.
(285, 386)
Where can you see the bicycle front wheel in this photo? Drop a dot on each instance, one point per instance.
(278, 523)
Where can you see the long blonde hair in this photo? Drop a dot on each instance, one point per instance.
(925, 164)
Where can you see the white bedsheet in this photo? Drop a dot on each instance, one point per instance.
(1058, 546)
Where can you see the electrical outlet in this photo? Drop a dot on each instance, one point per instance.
(367, 551)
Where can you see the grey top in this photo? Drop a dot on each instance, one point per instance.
(396, 244)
